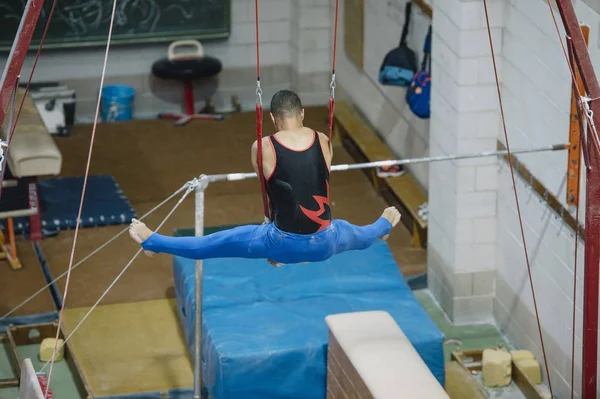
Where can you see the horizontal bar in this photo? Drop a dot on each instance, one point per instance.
(18, 213)
(376, 164)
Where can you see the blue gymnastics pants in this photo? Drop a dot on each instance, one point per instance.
(266, 241)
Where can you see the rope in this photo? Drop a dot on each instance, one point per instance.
(94, 252)
(85, 178)
(512, 173)
(51, 361)
(332, 84)
(14, 125)
(259, 124)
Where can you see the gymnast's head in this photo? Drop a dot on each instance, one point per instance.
(286, 110)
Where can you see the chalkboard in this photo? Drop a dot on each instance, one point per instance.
(79, 23)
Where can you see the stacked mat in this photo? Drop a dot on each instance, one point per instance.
(105, 203)
(264, 331)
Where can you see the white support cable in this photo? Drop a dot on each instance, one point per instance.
(190, 187)
(94, 252)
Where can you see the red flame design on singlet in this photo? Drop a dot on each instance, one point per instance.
(315, 215)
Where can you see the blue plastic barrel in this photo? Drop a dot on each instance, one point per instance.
(117, 103)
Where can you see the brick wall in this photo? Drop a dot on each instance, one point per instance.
(536, 92)
(463, 194)
(385, 106)
(280, 45)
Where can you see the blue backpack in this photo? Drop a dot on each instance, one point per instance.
(400, 64)
(418, 94)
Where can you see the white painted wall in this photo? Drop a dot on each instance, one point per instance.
(81, 68)
(536, 87)
(384, 106)
(468, 205)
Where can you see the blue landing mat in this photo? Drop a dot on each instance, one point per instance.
(105, 203)
(264, 331)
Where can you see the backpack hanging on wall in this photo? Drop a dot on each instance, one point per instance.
(418, 94)
(400, 64)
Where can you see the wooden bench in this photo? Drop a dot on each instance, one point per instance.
(360, 138)
(369, 356)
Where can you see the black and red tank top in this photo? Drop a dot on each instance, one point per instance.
(298, 188)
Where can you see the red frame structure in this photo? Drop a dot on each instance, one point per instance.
(14, 63)
(18, 53)
(592, 211)
(592, 218)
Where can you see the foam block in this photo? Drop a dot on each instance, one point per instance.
(518, 355)
(47, 347)
(281, 311)
(497, 368)
(531, 368)
(380, 358)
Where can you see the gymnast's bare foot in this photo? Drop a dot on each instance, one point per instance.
(393, 216)
(140, 233)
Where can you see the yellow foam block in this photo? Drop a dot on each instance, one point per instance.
(531, 368)
(47, 347)
(518, 355)
(497, 368)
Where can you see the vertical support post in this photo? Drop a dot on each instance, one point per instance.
(18, 52)
(592, 221)
(198, 231)
(574, 158)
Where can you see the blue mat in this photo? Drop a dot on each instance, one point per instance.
(104, 204)
(264, 331)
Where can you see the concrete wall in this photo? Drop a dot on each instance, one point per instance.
(476, 257)
(536, 87)
(463, 194)
(384, 106)
(303, 39)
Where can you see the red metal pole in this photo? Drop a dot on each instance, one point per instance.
(592, 211)
(18, 52)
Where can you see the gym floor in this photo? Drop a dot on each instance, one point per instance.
(150, 160)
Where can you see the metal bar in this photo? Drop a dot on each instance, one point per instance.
(366, 165)
(198, 231)
(592, 222)
(18, 52)
(18, 213)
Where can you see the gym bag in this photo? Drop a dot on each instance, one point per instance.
(418, 94)
(400, 64)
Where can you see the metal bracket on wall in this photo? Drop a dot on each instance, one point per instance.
(543, 193)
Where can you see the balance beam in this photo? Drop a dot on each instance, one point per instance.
(370, 357)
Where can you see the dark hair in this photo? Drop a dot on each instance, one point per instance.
(285, 104)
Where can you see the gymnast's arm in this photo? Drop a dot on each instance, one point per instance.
(327, 148)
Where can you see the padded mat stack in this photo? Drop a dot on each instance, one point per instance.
(264, 331)
(105, 203)
(131, 349)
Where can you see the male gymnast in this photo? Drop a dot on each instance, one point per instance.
(296, 166)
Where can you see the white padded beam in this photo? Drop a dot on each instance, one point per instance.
(369, 352)
(32, 151)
